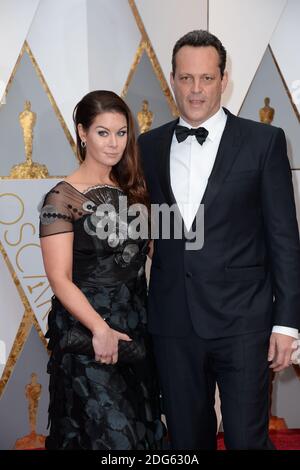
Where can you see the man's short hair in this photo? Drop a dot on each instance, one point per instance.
(200, 38)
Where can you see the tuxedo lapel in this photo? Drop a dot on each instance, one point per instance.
(164, 163)
(228, 149)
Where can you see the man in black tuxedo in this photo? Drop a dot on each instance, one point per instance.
(227, 312)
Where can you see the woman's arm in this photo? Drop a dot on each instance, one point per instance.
(151, 249)
(57, 253)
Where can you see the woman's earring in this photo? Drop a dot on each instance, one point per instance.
(83, 144)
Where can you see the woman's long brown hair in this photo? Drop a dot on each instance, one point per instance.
(127, 173)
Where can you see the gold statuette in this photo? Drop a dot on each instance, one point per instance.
(145, 117)
(29, 169)
(266, 114)
(33, 440)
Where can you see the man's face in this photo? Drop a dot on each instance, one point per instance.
(197, 83)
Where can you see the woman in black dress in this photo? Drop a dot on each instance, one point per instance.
(98, 401)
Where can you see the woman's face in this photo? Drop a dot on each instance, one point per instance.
(105, 139)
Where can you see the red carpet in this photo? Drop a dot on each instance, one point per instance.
(289, 439)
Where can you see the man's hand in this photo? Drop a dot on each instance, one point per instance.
(280, 351)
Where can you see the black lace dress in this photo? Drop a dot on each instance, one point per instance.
(93, 405)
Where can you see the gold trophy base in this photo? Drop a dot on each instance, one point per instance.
(29, 170)
(30, 442)
(277, 424)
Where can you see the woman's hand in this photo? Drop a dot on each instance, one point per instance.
(105, 343)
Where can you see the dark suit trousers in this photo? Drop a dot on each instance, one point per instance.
(189, 368)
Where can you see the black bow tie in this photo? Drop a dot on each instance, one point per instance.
(183, 132)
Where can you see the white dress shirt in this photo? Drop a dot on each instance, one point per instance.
(190, 167)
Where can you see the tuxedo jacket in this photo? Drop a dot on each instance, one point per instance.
(246, 277)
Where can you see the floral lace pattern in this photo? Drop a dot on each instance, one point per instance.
(92, 405)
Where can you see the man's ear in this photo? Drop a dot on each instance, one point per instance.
(172, 80)
(224, 81)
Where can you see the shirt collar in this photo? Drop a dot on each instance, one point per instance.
(213, 124)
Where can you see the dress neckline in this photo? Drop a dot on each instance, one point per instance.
(95, 186)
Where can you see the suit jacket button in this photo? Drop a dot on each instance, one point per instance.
(189, 274)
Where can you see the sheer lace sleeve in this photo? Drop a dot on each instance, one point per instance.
(56, 214)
